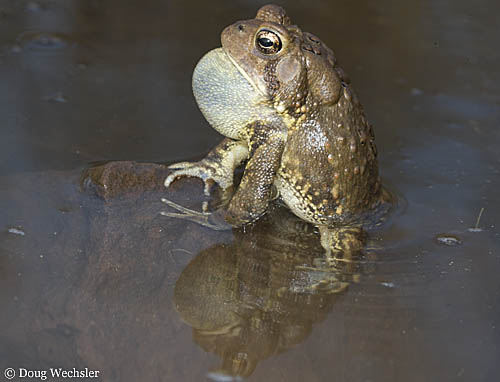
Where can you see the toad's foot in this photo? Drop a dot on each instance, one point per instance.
(208, 171)
(324, 279)
(214, 220)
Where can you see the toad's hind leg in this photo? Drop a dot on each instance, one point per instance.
(217, 167)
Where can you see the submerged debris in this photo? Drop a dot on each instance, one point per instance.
(476, 227)
(448, 239)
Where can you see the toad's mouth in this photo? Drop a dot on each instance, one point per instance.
(243, 72)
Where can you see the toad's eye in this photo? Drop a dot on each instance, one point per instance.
(268, 42)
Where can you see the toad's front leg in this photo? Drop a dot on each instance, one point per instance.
(255, 190)
(217, 167)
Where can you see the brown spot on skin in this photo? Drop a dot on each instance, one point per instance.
(339, 210)
(356, 170)
(330, 158)
(335, 192)
(336, 175)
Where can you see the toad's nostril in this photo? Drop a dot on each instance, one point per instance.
(241, 28)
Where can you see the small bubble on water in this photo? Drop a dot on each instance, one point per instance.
(388, 284)
(474, 229)
(56, 97)
(17, 231)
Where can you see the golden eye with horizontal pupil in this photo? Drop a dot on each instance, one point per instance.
(268, 42)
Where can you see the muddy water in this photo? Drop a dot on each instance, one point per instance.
(110, 285)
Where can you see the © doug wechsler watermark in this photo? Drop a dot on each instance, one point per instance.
(53, 372)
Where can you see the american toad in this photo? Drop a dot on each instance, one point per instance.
(285, 107)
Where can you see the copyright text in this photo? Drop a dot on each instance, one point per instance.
(53, 372)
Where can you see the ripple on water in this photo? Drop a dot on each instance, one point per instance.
(42, 41)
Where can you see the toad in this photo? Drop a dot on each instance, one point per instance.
(288, 111)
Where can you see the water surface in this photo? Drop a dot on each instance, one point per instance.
(113, 286)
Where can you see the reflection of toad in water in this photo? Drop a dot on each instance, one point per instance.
(260, 295)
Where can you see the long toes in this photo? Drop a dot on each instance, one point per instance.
(206, 219)
(183, 210)
(168, 180)
(171, 178)
(207, 181)
(192, 216)
(179, 166)
(206, 188)
(173, 214)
